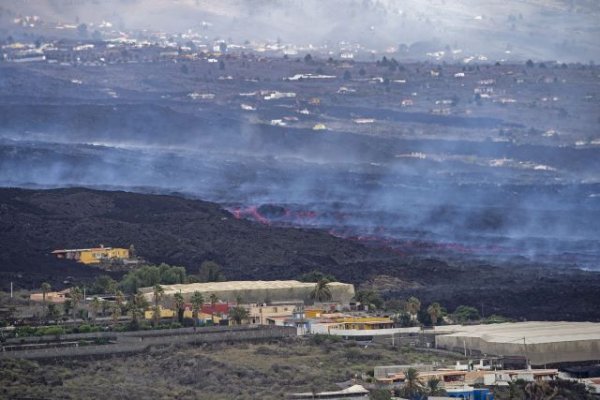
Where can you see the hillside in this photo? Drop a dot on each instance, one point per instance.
(176, 230)
(163, 229)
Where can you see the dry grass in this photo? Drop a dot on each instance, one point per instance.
(218, 371)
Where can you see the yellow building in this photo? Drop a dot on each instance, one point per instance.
(187, 313)
(364, 323)
(164, 313)
(258, 314)
(93, 255)
(312, 312)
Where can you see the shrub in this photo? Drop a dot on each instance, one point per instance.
(466, 313)
(84, 328)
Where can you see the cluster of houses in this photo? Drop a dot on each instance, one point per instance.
(473, 381)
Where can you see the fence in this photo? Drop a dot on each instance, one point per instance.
(133, 342)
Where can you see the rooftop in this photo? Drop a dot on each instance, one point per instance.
(532, 332)
(239, 285)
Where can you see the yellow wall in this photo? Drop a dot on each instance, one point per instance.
(365, 323)
(168, 313)
(312, 313)
(164, 313)
(94, 256)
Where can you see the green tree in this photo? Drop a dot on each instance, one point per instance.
(412, 387)
(53, 312)
(197, 302)
(104, 284)
(76, 298)
(95, 307)
(179, 306)
(119, 299)
(322, 291)
(412, 306)
(210, 271)
(67, 306)
(238, 314)
(158, 294)
(136, 307)
(465, 313)
(45, 289)
(435, 312)
(150, 275)
(115, 314)
(316, 276)
(213, 300)
(369, 298)
(434, 388)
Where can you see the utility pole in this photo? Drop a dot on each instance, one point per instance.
(11, 290)
(526, 354)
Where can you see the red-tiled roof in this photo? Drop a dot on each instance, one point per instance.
(218, 308)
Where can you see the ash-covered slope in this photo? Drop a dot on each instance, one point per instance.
(172, 229)
(162, 228)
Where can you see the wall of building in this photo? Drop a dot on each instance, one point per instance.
(538, 354)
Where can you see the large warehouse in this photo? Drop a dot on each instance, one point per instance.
(256, 291)
(540, 342)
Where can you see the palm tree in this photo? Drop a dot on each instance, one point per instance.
(116, 314)
(76, 297)
(413, 305)
(197, 301)
(136, 307)
(435, 311)
(322, 291)
(53, 312)
(238, 314)
(434, 388)
(179, 306)
(158, 294)
(45, 289)
(119, 298)
(412, 387)
(95, 307)
(213, 300)
(369, 298)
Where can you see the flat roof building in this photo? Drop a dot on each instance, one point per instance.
(256, 291)
(540, 342)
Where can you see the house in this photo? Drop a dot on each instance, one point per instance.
(93, 255)
(163, 312)
(363, 323)
(51, 297)
(258, 314)
(355, 392)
